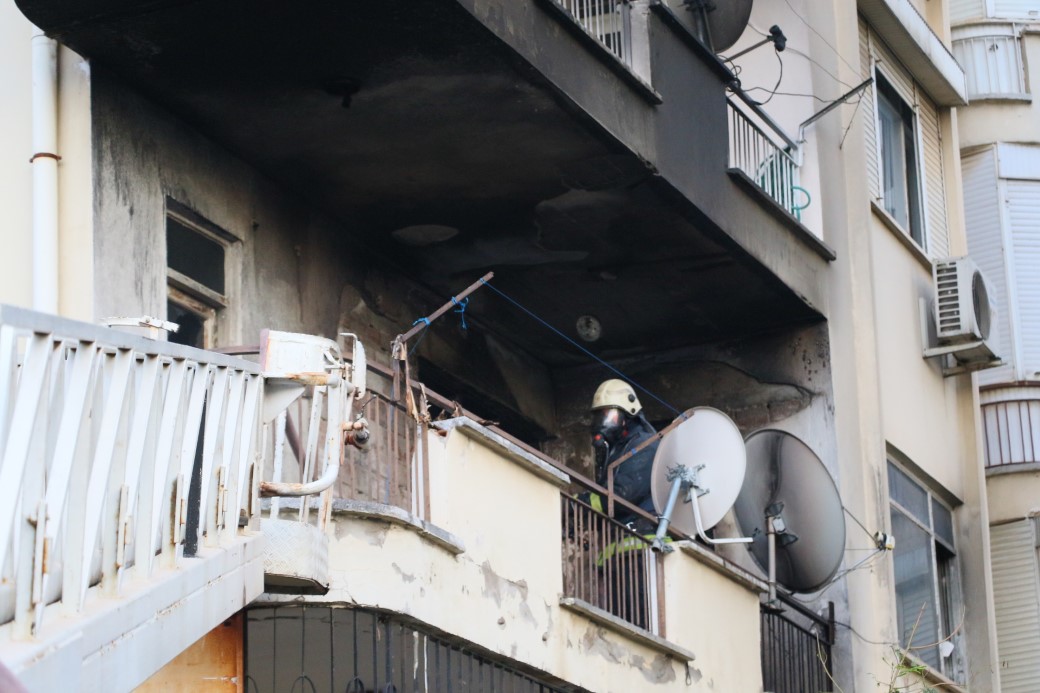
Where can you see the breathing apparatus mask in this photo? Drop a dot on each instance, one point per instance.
(608, 426)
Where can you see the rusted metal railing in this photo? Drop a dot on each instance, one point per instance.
(796, 649)
(1012, 432)
(765, 158)
(610, 567)
(392, 469)
(608, 21)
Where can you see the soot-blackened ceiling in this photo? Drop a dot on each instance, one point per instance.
(410, 116)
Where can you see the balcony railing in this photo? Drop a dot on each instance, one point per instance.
(100, 433)
(992, 65)
(607, 21)
(392, 468)
(763, 152)
(1012, 433)
(796, 650)
(610, 567)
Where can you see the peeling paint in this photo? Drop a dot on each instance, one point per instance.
(499, 589)
(595, 642)
(407, 577)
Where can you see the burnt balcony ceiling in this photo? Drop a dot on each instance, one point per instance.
(446, 154)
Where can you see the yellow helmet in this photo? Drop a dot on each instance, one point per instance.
(616, 393)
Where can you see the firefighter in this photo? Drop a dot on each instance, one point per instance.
(618, 426)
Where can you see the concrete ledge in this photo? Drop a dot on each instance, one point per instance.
(394, 515)
(721, 565)
(626, 629)
(922, 52)
(471, 429)
(118, 641)
(627, 75)
(800, 231)
(370, 510)
(1016, 468)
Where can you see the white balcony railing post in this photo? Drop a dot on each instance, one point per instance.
(98, 437)
(770, 165)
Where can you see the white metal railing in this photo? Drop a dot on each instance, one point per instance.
(100, 431)
(770, 164)
(608, 21)
(992, 65)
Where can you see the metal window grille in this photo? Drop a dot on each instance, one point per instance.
(796, 650)
(331, 648)
(992, 65)
(1012, 432)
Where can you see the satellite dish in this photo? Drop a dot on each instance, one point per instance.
(705, 456)
(787, 485)
(726, 21)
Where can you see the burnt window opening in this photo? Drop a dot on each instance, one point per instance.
(197, 277)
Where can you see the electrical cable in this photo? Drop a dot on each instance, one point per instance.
(851, 121)
(861, 525)
(813, 61)
(821, 37)
(585, 351)
(775, 86)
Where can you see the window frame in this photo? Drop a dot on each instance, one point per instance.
(189, 294)
(944, 571)
(915, 232)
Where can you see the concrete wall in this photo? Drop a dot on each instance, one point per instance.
(998, 120)
(15, 150)
(503, 592)
(73, 274)
(668, 135)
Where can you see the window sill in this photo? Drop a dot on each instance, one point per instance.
(901, 235)
(934, 676)
(367, 510)
(638, 84)
(608, 620)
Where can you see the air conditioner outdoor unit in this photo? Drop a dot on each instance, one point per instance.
(963, 309)
(964, 315)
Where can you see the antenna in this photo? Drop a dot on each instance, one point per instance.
(790, 506)
(723, 21)
(703, 459)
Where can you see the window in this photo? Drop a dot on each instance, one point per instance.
(927, 578)
(897, 141)
(196, 271)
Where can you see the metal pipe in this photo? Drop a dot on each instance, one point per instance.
(666, 517)
(771, 539)
(45, 173)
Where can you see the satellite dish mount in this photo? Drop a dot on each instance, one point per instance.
(686, 480)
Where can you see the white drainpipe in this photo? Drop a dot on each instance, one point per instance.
(45, 172)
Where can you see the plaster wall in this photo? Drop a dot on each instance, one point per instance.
(74, 272)
(503, 591)
(15, 150)
(1013, 495)
(998, 120)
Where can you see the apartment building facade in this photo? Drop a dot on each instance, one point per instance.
(322, 169)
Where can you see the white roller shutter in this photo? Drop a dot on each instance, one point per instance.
(869, 110)
(1017, 605)
(938, 244)
(963, 10)
(982, 218)
(1016, 9)
(1023, 200)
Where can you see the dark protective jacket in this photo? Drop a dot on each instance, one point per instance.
(632, 478)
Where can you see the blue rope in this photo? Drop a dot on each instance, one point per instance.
(421, 335)
(425, 320)
(461, 310)
(583, 349)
